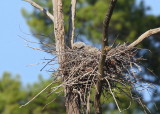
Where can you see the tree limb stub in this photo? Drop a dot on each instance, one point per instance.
(106, 22)
(143, 36)
(41, 9)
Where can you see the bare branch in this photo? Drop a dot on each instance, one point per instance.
(71, 28)
(106, 22)
(105, 36)
(103, 56)
(143, 36)
(41, 9)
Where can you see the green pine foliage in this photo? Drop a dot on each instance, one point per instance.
(13, 95)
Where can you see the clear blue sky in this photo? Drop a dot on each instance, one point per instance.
(15, 56)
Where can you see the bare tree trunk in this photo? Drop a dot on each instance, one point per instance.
(59, 29)
(71, 102)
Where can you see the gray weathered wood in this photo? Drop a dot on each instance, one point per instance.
(59, 29)
(71, 29)
(41, 9)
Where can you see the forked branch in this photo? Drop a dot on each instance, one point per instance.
(143, 36)
(41, 9)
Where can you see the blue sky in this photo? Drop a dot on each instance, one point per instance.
(15, 56)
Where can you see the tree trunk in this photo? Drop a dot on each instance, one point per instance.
(71, 102)
(59, 29)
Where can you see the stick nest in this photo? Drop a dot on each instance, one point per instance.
(80, 74)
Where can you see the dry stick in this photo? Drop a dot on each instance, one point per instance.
(143, 106)
(41, 9)
(71, 29)
(113, 95)
(39, 49)
(97, 104)
(51, 101)
(143, 36)
(37, 95)
(88, 106)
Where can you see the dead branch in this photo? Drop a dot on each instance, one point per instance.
(143, 36)
(37, 95)
(71, 29)
(41, 9)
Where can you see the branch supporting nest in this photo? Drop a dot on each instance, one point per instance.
(107, 19)
(41, 9)
(143, 36)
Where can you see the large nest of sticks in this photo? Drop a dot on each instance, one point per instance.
(80, 72)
